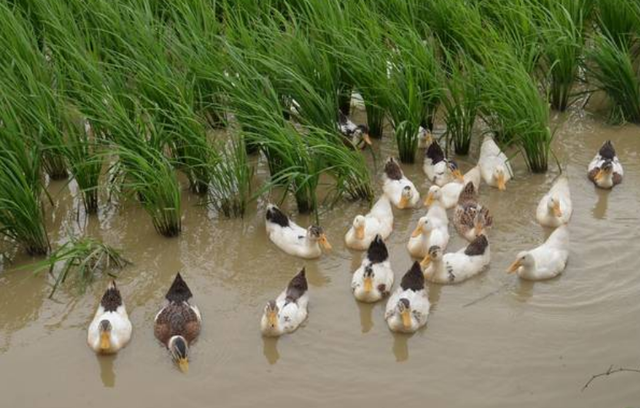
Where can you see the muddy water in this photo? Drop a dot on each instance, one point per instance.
(492, 341)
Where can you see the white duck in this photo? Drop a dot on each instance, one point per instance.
(379, 221)
(110, 330)
(293, 239)
(456, 267)
(374, 278)
(428, 233)
(555, 208)
(494, 165)
(605, 170)
(400, 190)
(408, 307)
(425, 138)
(448, 194)
(437, 168)
(355, 136)
(546, 261)
(289, 310)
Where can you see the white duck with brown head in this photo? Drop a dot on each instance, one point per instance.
(456, 267)
(400, 190)
(408, 307)
(292, 238)
(289, 310)
(110, 330)
(373, 280)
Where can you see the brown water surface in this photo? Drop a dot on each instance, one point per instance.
(492, 341)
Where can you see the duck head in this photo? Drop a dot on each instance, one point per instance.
(455, 171)
(425, 138)
(316, 233)
(358, 225)
(105, 335)
(404, 310)
(479, 223)
(605, 170)
(179, 350)
(368, 278)
(271, 311)
(361, 136)
(405, 197)
(433, 255)
(424, 227)
(434, 194)
(499, 175)
(553, 204)
(524, 259)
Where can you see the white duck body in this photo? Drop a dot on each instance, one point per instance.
(605, 170)
(400, 190)
(373, 280)
(546, 261)
(289, 310)
(408, 307)
(379, 221)
(555, 208)
(428, 233)
(456, 267)
(494, 164)
(293, 239)
(437, 168)
(110, 330)
(448, 194)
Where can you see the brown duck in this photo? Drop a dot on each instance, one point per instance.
(470, 217)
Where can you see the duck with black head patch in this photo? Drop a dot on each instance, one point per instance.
(177, 325)
(456, 267)
(400, 190)
(373, 280)
(289, 310)
(440, 170)
(605, 170)
(110, 330)
(408, 307)
(292, 238)
(470, 218)
(354, 136)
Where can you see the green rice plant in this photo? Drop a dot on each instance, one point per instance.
(21, 210)
(512, 102)
(231, 181)
(619, 21)
(86, 257)
(614, 71)
(461, 103)
(414, 89)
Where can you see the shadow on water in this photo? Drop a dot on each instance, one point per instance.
(270, 349)
(435, 291)
(107, 373)
(366, 319)
(599, 211)
(401, 347)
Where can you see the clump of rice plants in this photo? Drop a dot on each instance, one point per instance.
(618, 75)
(231, 179)
(619, 21)
(21, 212)
(86, 257)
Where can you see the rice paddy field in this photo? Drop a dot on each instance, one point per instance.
(139, 138)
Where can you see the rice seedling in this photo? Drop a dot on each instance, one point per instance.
(618, 75)
(231, 180)
(619, 21)
(86, 257)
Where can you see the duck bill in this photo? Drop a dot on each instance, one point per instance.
(183, 365)
(599, 175)
(502, 185)
(406, 318)
(429, 200)
(426, 261)
(105, 342)
(458, 175)
(325, 243)
(360, 233)
(417, 232)
(368, 284)
(556, 210)
(367, 139)
(404, 202)
(478, 229)
(272, 318)
(514, 267)
(429, 139)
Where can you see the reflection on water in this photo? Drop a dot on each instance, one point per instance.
(366, 312)
(107, 373)
(270, 349)
(401, 346)
(524, 290)
(435, 291)
(599, 211)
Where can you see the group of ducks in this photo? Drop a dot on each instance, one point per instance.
(178, 323)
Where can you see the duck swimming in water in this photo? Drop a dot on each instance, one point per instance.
(177, 325)
(356, 136)
(293, 239)
(400, 190)
(110, 330)
(605, 170)
(373, 280)
(456, 267)
(471, 218)
(494, 165)
(408, 307)
(289, 310)
(438, 169)
(379, 221)
(448, 195)
(555, 208)
(546, 261)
